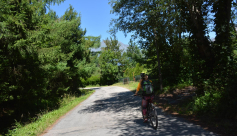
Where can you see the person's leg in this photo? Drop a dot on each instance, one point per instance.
(144, 107)
(151, 98)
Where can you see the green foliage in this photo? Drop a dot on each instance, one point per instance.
(42, 56)
(175, 34)
(45, 119)
(110, 58)
(133, 54)
(217, 102)
(207, 104)
(132, 61)
(133, 71)
(93, 80)
(153, 23)
(228, 102)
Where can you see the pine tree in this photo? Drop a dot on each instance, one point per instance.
(110, 58)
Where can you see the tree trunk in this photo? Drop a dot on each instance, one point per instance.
(133, 77)
(158, 59)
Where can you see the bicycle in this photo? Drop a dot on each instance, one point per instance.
(151, 114)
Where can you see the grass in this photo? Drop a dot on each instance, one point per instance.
(46, 119)
(95, 86)
(131, 86)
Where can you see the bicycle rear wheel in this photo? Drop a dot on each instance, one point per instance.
(153, 116)
(142, 113)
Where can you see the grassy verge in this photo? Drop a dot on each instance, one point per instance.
(95, 86)
(46, 119)
(131, 86)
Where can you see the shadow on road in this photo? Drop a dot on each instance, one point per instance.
(126, 109)
(94, 88)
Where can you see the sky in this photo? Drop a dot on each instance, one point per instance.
(95, 17)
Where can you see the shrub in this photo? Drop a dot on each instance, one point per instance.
(228, 102)
(93, 80)
(208, 103)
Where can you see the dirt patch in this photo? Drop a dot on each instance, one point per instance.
(172, 103)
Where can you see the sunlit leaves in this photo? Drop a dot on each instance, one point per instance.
(110, 59)
(41, 54)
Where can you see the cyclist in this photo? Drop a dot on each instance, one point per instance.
(145, 96)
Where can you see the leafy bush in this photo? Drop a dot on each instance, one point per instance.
(130, 72)
(208, 103)
(93, 80)
(228, 102)
(182, 85)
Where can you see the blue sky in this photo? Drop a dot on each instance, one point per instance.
(95, 17)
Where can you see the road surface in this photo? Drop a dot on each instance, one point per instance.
(113, 111)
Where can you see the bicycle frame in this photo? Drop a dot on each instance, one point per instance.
(152, 115)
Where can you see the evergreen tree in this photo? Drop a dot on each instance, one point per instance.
(110, 58)
(41, 56)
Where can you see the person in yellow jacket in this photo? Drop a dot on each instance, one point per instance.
(145, 97)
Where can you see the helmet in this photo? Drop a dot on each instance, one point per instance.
(142, 75)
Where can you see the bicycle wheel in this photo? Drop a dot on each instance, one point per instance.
(142, 114)
(153, 116)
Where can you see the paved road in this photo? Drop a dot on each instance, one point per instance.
(115, 111)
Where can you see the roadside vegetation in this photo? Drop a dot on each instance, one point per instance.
(131, 86)
(88, 86)
(38, 123)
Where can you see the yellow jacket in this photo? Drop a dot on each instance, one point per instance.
(139, 85)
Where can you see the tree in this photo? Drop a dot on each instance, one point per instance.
(19, 56)
(110, 58)
(42, 56)
(223, 44)
(133, 53)
(177, 32)
(151, 21)
(132, 56)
